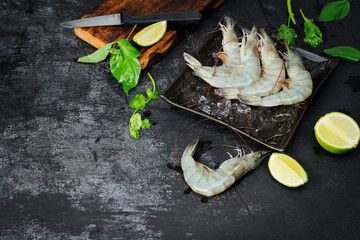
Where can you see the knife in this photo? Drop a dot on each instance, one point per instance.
(124, 19)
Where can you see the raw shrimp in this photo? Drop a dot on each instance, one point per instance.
(236, 72)
(273, 73)
(205, 181)
(297, 87)
(230, 55)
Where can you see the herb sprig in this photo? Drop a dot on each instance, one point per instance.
(313, 35)
(124, 62)
(138, 103)
(285, 31)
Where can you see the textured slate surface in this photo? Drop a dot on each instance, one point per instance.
(69, 170)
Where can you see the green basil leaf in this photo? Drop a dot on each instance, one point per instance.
(138, 102)
(344, 52)
(129, 73)
(97, 56)
(116, 62)
(288, 33)
(335, 11)
(115, 51)
(128, 50)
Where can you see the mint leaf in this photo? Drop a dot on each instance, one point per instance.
(288, 33)
(138, 102)
(99, 55)
(344, 52)
(335, 11)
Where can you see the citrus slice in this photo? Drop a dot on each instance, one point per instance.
(287, 170)
(151, 34)
(337, 132)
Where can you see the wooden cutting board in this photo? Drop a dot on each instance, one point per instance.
(99, 36)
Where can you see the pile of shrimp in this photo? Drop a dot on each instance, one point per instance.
(253, 71)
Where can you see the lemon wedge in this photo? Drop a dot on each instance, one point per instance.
(337, 132)
(287, 170)
(151, 34)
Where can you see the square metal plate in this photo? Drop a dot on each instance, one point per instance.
(272, 127)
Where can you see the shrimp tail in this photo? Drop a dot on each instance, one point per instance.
(191, 61)
(199, 70)
(191, 148)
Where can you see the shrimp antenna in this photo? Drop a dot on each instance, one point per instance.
(198, 41)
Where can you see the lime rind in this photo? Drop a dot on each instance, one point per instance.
(301, 176)
(151, 34)
(326, 144)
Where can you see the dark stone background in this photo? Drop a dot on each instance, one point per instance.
(69, 169)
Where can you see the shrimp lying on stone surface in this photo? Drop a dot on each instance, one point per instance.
(241, 64)
(297, 87)
(205, 181)
(273, 73)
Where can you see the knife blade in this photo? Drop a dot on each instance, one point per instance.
(124, 19)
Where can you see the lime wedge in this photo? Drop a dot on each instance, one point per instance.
(151, 34)
(337, 132)
(287, 170)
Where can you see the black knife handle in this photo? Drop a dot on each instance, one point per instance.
(173, 18)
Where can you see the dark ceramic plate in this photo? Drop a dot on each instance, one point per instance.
(272, 127)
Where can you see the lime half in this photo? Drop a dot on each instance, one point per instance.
(337, 132)
(287, 170)
(151, 34)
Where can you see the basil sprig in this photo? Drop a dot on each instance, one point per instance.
(344, 52)
(335, 11)
(124, 62)
(125, 65)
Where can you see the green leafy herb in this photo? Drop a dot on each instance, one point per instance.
(125, 69)
(136, 123)
(344, 52)
(335, 11)
(313, 35)
(291, 14)
(127, 49)
(99, 55)
(285, 31)
(288, 33)
(138, 103)
(124, 62)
